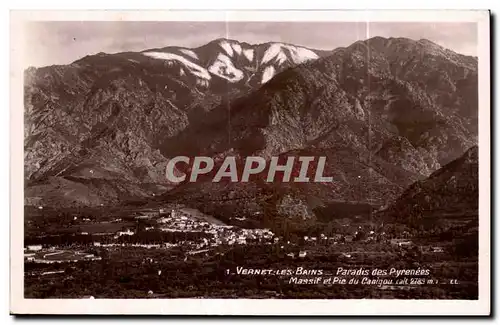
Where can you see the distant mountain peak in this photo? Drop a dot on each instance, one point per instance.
(124, 115)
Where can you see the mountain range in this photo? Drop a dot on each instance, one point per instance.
(386, 112)
(92, 127)
(451, 191)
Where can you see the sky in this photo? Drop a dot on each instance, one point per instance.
(59, 42)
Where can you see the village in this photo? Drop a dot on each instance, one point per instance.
(209, 234)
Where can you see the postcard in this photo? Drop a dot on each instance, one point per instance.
(250, 162)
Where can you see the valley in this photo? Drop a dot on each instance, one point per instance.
(180, 256)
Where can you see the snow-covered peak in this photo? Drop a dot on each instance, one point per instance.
(296, 54)
(227, 47)
(237, 48)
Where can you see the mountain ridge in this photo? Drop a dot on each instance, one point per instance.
(121, 116)
(359, 99)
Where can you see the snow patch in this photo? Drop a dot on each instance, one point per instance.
(237, 48)
(192, 67)
(190, 53)
(248, 54)
(268, 73)
(227, 47)
(301, 54)
(224, 68)
(274, 51)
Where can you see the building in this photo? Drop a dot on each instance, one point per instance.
(302, 254)
(401, 242)
(34, 247)
(164, 220)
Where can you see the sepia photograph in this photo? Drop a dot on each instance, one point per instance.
(297, 158)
